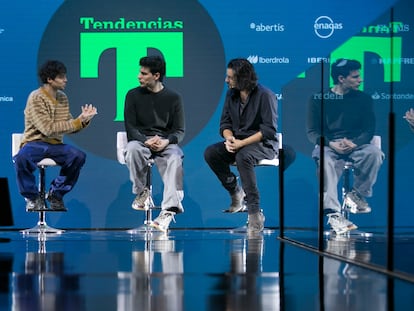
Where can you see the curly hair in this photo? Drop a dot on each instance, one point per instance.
(51, 69)
(245, 75)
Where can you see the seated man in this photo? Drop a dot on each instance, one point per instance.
(47, 119)
(154, 122)
(348, 126)
(248, 124)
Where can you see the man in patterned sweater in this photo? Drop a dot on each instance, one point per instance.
(47, 119)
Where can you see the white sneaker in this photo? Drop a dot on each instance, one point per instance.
(355, 203)
(340, 224)
(255, 222)
(163, 220)
(140, 201)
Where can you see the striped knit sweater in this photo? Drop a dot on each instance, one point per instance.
(48, 119)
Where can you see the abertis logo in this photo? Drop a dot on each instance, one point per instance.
(101, 45)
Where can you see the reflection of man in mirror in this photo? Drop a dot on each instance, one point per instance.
(159, 268)
(348, 127)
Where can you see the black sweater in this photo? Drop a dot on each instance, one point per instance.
(348, 116)
(149, 114)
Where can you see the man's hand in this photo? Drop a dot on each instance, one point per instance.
(156, 143)
(88, 112)
(409, 116)
(342, 146)
(233, 145)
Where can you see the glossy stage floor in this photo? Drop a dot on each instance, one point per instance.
(214, 269)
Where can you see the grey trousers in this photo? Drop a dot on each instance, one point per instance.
(170, 166)
(367, 160)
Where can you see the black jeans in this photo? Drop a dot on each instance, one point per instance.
(219, 160)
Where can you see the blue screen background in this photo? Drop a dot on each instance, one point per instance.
(102, 196)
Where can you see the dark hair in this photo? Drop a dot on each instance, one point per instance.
(244, 73)
(343, 67)
(51, 69)
(155, 64)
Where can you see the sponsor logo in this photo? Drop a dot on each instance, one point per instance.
(256, 59)
(396, 61)
(392, 27)
(6, 99)
(324, 26)
(89, 23)
(388, 96)
(319, 96)
(318, 60)
(267, 27)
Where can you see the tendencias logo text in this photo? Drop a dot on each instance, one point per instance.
(89, 23)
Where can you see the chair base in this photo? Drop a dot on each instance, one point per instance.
(46, 209)
(243, 230)
(143, 229)
(42, 227)
(349, 234)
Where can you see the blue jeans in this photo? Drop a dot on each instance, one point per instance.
(69, 158)
(219, 160)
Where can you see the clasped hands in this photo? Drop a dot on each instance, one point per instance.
(157, 143)
(342, 146)
(88, 112)
(233, 144)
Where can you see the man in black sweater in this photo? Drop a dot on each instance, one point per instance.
(154, 122)
(348, 120)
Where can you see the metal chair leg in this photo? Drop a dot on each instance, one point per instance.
(346, 187)
(149, 205)
(42, 226)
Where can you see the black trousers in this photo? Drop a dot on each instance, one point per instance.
(219, 160)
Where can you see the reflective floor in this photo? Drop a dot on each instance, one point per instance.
(193, 270)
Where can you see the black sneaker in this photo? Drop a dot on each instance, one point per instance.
(33, 205)
(237, 201)
(255, 222)
(56, 204)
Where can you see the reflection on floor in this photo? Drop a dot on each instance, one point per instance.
(196, 270)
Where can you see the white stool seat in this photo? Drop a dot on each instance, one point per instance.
(269, 162)
(46, 162)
